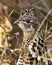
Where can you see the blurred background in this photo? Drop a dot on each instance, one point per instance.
(40, 9)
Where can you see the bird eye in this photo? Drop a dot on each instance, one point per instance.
(27, 21)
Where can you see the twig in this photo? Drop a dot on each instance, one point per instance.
(45, 4)
(42, 23)
(37, 2)
(11, 12)
(46, 52)
(39, 30)
(40, 9)
(19, 18)
(47, 58)
(39, 57)
(48, 37)
(47, 18)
